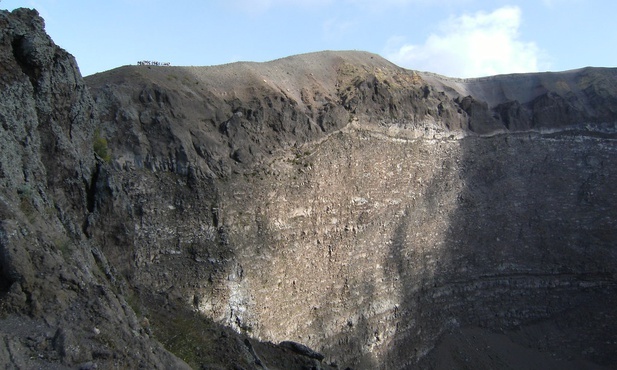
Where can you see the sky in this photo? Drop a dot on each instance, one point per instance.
(457, 38)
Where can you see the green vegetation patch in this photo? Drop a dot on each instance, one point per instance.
(101, 149)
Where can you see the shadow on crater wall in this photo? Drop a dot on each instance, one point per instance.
(529, 243)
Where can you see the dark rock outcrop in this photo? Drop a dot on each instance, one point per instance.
(59, 308)
(159, 217)
(540, 101)
(302, 349)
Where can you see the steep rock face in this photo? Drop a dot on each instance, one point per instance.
(541, 101)
(58, 305)
(337, 200)
(249, 111)
(421, 237)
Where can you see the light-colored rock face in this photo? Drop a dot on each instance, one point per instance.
(369, 246)
(336, 239)
(367, 218)
(373, 246)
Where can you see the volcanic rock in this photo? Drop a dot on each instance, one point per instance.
(358, 213)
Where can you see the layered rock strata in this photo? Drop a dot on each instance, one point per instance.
(383, 217)
(365, 210)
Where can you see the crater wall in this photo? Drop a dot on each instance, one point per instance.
(376, 213)
(175, 217)
(375, 246)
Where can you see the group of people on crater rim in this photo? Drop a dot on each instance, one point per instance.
(152, 63)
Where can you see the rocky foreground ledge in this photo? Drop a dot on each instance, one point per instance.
(355, 212)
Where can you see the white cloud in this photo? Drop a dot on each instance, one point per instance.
(471, 46)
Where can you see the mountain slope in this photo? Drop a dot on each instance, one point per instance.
(338, 200)
(174, 217)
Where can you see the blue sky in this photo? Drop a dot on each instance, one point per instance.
(459, 38)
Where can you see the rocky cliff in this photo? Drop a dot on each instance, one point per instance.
(383, 217)
(62, 303)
